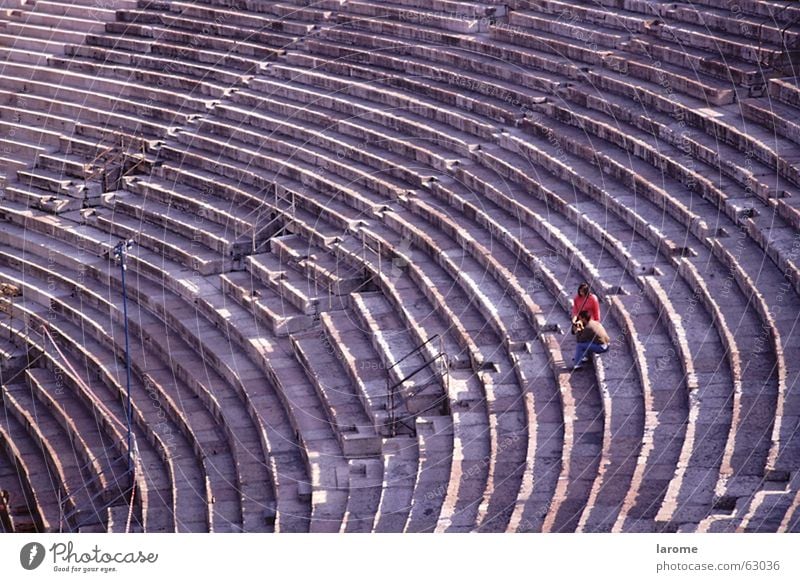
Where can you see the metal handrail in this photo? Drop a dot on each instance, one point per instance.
(415, 350)
(392, 390)
(416, 371)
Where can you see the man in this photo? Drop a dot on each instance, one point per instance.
(590, 337)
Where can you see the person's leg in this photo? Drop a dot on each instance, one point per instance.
(580, 352)
(598, 348)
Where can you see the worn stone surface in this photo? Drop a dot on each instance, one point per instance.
(357, 231)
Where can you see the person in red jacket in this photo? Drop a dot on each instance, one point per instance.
(585, 300)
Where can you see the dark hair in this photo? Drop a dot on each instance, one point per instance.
(583, 287)
(584, 315)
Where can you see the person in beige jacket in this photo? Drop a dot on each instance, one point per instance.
(590, 336)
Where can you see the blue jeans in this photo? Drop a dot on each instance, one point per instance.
(582, 350)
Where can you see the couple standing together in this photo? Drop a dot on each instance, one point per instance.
(590, 336)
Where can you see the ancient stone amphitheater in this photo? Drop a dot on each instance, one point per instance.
(357, 227)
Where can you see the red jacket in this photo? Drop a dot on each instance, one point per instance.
(590, 304)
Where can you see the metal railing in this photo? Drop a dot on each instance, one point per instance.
(392, 392)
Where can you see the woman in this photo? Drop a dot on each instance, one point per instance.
(585, 301)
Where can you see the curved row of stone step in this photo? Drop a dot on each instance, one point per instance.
(294, 512)
(360, 167)
(80, 502)
(97, 411)
(18, 511)
(38, 484)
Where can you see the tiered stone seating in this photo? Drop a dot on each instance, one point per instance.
(690, 473)
(65, 180)
(785, 90)
(328, 497)
(772, 509)
(41, 487)
(624, 415)
(153, 485)
(307, 295)
(22, 145)
(367, 374)
(17, 510)
(583, 435)
(61, 79)
(458, 17)
(358, 439)
(232, 368)
(415, 377)
(774, 338)
(713, 359)
(254, 514)
(22, 34)
(355, 432)
(184, 20)
(128, 221)
(363, 365)
(362, 92)
(782, 12)
(431, 456)
(563, 271)
(298, 10)
(775, 116)
(358, 202)
(499, 99)
(418, 396)
(724, 125)
(581, 401)
(505, 404)
(733, 201)
(433, 500)
(765, 369)
(544, 291)
(459, 307)
(400, 462)
(324, 188)
(240, 133)
(80, 503)
(211, 446)
(236, 219)
(543, 409)
(714, 362)
(327, 468)
(439, 474)
(666, 417)
(264, 448)
(190, 491)
(280, 317)
(92, 445)
(112, 124)
(178, 95)
(697, 35)
(791, 520)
